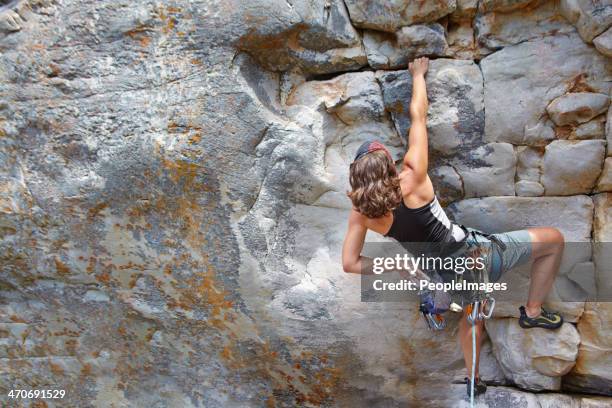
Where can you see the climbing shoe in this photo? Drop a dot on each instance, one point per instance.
(479, 386)
(545, 320)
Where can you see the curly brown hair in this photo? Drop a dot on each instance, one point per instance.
(375, 184)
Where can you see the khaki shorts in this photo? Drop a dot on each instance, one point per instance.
(517, 252)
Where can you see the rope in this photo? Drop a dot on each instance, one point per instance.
(473, 364)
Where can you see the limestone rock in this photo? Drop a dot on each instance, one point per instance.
(603, 43)
(520, 81)
(605, 179)
(488, 170)
(526, 188)
(589, 130)
(592, 370)
(313, 36)
(447, 183)
(461, 42)
(529, 163)
(602, 236)
(507, 25)
(499, 214)
(173, 198)
(590, 17)
(534, 359)
(584, 158)
(502, 5)
(577, 107)
(389, 16)
(455, 116)
(389, 51)
(466, 9)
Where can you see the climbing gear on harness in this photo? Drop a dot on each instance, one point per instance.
(546, 320)
(433, 304)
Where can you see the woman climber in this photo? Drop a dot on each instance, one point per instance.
(403, 205)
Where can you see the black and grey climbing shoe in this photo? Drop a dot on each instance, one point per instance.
(545, 320)
(479, 386)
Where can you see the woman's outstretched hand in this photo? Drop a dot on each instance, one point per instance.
(419, 66)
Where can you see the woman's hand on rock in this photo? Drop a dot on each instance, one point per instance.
(419, 66)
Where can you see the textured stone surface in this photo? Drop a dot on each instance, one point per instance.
(592, 370)
(516, 103)
(488, 170)
(392, 51)
(504, 27)
(602, 235)
(526, 188)
(590, 17)
(497, 214)
(578, 107)
(534, 359)
(455, 118)
(173, 201)
(594, 129)
(572, 167)
(603, 43)
(605, 179)
(389, 16)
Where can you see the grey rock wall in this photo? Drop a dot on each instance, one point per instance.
(172, 196)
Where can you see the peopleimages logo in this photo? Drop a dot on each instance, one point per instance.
(452, 286)
(412, 264)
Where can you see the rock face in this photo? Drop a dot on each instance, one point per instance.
(577, 107)
(389, 16)
(456, 116)
(516, 104)
(534, 359)
(392, 51)
(603, 43)
(586, 162)
(173, 201)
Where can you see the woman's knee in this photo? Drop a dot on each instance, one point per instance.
(547, 240)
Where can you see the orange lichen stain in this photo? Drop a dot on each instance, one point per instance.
(226, 353)
(86, 370)
(95, 211)
(579, 84)
(91, 265)
(103, 277)
(133, 279)
(122, 331)
(196, 61)
(195, 138)
(56, 369)
(139, 34)
(39, 404)
(150, 332)
(167, 270)
(564, 132)
(61, 267)
(71, 345)
(17, 319)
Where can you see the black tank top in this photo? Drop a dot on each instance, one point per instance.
(428, 223)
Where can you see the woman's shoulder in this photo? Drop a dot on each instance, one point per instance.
(356, 217)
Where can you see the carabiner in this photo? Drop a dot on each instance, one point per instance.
(483, 314)
(435, 322)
